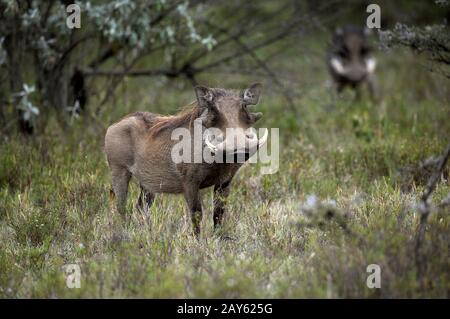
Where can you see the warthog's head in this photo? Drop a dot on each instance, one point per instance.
(350, 55)
(228, 120)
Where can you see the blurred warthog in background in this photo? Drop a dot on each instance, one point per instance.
(350, 60)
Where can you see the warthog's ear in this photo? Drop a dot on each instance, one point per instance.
(205, 96)
(251, 95)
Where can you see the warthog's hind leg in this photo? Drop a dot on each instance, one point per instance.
(120, 179)
(374, 90)
(145, 201)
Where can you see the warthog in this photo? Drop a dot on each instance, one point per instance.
(141, 145)
(350, 60)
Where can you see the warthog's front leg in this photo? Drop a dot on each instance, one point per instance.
(372, 84)
(221, 193)
(192, 195)
(145, 201)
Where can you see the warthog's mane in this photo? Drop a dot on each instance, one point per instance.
(186, 116)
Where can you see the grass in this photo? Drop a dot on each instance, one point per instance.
(55, 207)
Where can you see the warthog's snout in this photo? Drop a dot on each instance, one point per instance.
(237, 142)
(354, 71)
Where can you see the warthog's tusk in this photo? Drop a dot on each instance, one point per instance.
(371, 63)
(263, 139)
(336, 64)
(251, 137)
(210, 145)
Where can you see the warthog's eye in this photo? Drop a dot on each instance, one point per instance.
(343, 52)
(212, 119)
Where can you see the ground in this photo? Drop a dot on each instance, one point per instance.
(360, 158)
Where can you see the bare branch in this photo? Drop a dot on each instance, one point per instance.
(135, 73)
(425, 209)
(261, 64)
(269, 41)
(434, 179)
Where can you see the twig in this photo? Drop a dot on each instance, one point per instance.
(269, 41)
(425, 209)
(261, 64)
(445, 202)
(243, 30)
(133, 73)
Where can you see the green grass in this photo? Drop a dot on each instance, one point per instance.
(55, 207)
